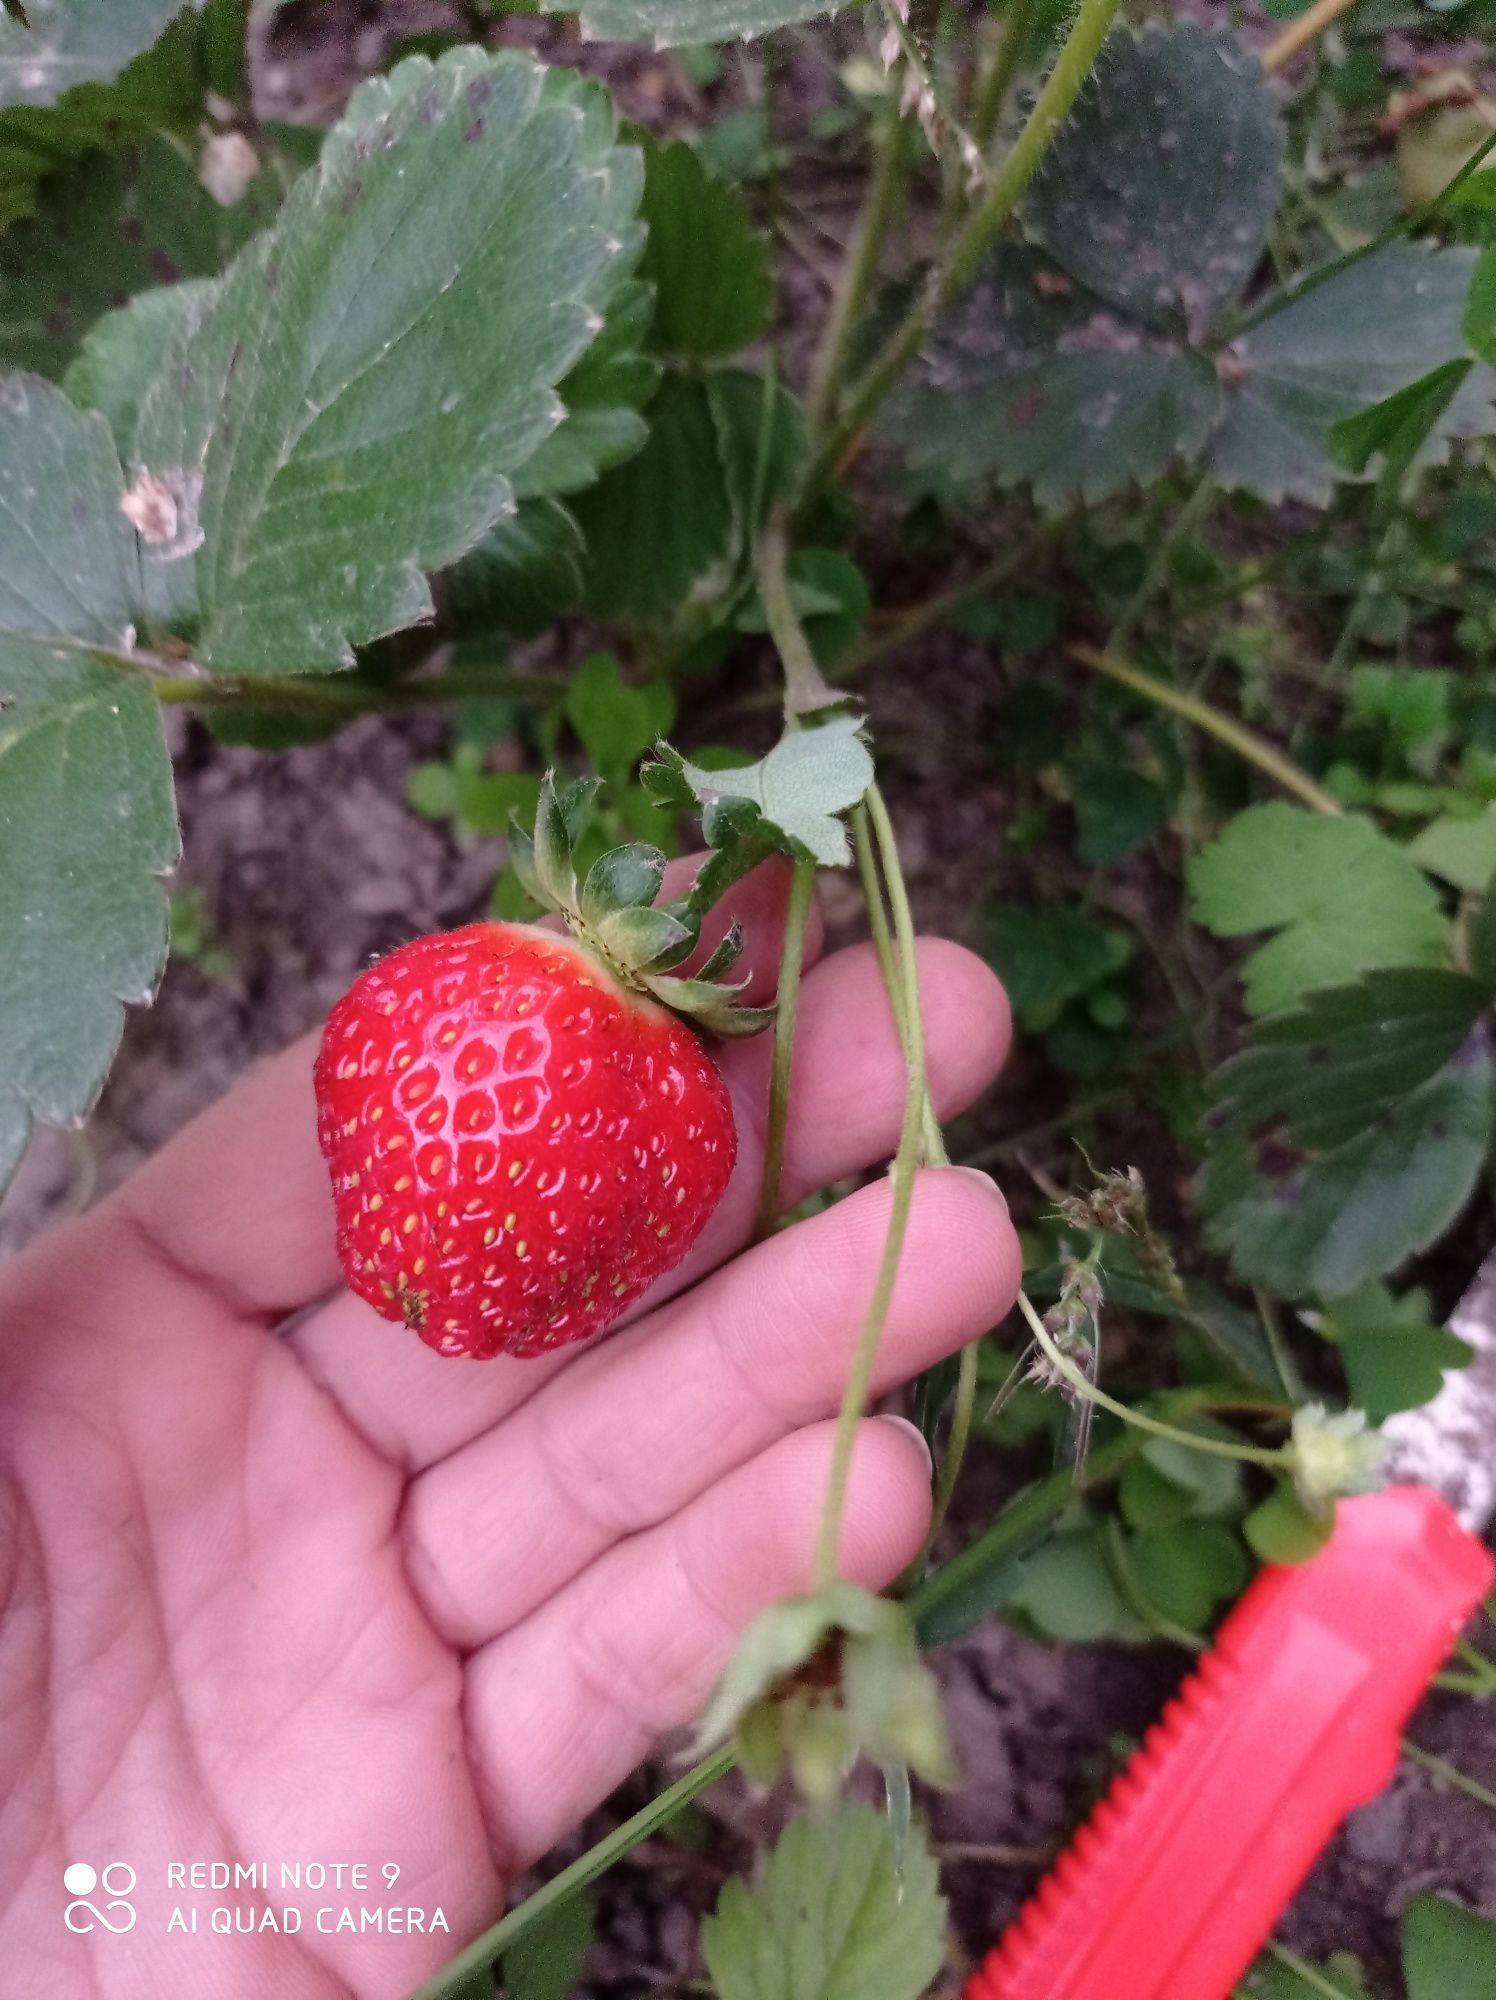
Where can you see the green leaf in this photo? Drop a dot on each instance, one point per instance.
(1395, 1357)
(658, 529)
(70, 42)
(1280, 1529)
(120, 354)
(1376, 327)
(1030, 379)
(1301, 1224)
(1116, 811)
(1447, 1953)
(1065, 1590)
(524, 574)
(1412, 703)
(709, 266)
(1341, 896)
(1188, 1568)
(373, 369)
(1461, 851)
(1326, 1072)
(546, 1962)
(110, 226)
(832, 1918)
(1158, 191)
(1480, 940)
(615, 722)
(667, 24)
(1048, 958)
(603, 396)
(1480, 308)
(86, 815)
(1397, 429)
(796, 793)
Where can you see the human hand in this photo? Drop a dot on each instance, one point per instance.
(289, 1594)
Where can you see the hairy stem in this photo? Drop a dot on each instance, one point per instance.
(1278, 1456)
(1087, 33)
(962, 1410)
(935, 1154)
(860, 265)
(802, 886)
(991, 96)
(1235, 735)
(805, 689)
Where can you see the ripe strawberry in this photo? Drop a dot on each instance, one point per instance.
(521, 1137)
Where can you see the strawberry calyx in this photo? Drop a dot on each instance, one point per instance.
(612, 913)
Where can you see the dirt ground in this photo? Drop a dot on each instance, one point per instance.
(309, 864)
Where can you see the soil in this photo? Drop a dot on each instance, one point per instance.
(309, 864)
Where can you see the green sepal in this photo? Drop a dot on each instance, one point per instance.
(640, 938)
(554, 873)
(625, 878)
(726, 955)
(576, 801)
(522, 860)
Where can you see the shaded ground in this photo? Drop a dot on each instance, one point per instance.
(309, 864)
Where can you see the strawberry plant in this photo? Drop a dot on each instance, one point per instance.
(1130, 475)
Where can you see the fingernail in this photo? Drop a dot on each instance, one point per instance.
(912, 1430)
(985, 1181)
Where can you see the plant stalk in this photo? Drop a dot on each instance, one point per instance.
(802, 887)
(1276, 1456)
(860, 264)
(805, 689)
(1087, 33)
(1300, 33)
(319, 694)
(1235, 735)
(1450, 1773)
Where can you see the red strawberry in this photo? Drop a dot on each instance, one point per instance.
(519, 1144)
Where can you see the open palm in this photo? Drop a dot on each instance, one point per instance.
(281, 1587)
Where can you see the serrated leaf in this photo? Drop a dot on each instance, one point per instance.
(1447, 1953)
(616, 722)
(1159, 189)
(1326, 1071)
(1394, 1356)
(87, 822)
(659, 527)
(1354, 340)
(1461, 851)
(831, 1919)
(374, 369)
(1341, 896)
(1397, 429)
(668, 24)
(109, 227)
(1029, 378)
(71, 42)
(121, 353)
(1302, 1224)
(604, 394)
(524, 574)
(709, 266)
(546, 1962)
(799, 789)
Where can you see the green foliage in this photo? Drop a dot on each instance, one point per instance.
(1340, 895)
(546, 1963)
(673, 23)
(833, 1918)
(713, 289)
(1280, 1529)
(317, 405)
(790, 800)
(86, 822)
(1448, 1953)
(1394, 1356)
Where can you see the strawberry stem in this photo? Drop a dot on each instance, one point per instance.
(797, 918)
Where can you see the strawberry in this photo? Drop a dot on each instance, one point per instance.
(521, 1138)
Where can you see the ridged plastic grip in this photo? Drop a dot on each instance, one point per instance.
(1294, 1718)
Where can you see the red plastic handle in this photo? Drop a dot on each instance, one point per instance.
(1293, 1719)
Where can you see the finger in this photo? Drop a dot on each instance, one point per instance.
(241, 1200)
(641, 1426)
(563, 1707)
(846, 1104)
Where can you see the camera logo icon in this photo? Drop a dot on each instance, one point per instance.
(117, 1881)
